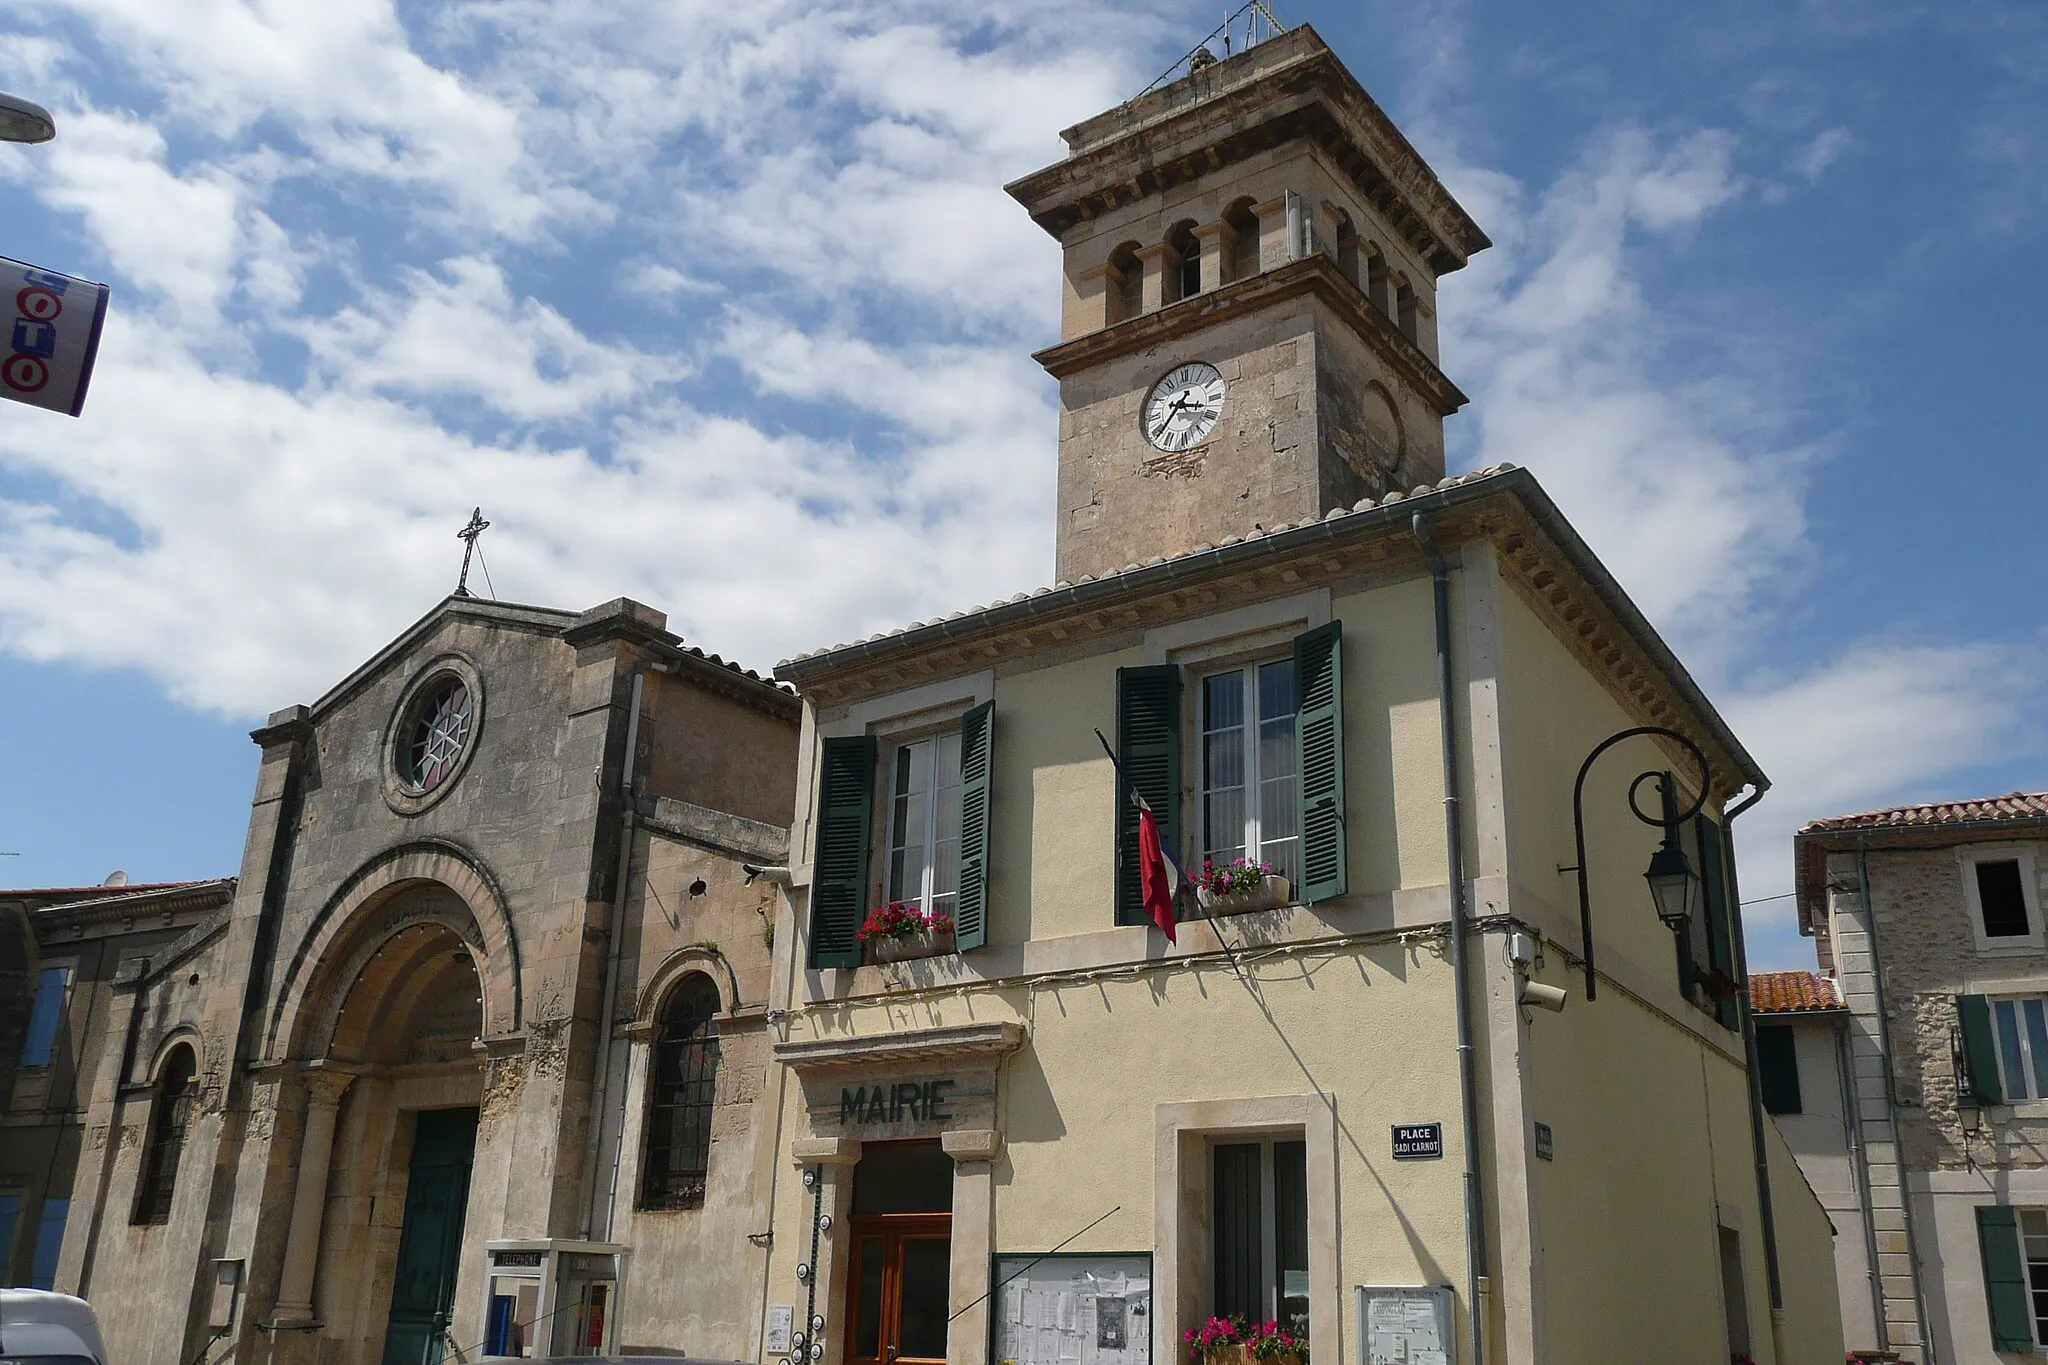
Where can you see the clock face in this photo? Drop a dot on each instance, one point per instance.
(1183, 408)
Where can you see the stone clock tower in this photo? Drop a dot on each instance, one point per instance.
(1248, 327)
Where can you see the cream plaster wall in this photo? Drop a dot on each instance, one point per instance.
(1364, 1032)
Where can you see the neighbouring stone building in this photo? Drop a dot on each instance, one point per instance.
(62, 950)
(1930, 918)
(553, 1011)
(1802, 1061)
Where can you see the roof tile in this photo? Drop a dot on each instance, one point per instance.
(1791, 992)
(2015, 806)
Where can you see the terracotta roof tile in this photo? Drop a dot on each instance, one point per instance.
(1791, 992)
(2016, 806)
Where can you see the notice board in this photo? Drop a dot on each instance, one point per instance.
(1072, 1308)
(1405, 1325)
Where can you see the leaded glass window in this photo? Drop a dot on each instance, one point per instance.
(440, 729)
(176, 1089)
(684, 1094)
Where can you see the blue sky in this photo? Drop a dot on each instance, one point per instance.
(722, 307)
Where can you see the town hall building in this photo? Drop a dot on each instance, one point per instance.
(582, 994)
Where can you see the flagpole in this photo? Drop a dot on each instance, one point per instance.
(1138, 800)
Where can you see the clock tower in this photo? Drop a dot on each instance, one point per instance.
(1248, 327)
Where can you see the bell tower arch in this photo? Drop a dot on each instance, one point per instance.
(1248, 326)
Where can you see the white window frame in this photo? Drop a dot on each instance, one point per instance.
(1253, 833)
(2019, 1228)
(2027, 1058)
(923, 899)
(2030, 892)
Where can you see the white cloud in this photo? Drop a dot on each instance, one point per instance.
(1811, 161)
(461, 333)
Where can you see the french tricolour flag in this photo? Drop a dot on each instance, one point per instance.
(1159, 876)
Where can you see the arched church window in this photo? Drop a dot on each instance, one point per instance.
(683, 1093)
(170, 1113)
(1126, 283)
(1187, 256)
(1244, 250)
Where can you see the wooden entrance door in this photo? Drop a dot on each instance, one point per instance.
(899, 1285)
(430, 1247)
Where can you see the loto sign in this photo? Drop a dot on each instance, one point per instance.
(52, 336)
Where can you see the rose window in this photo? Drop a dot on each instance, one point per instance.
(438, 735)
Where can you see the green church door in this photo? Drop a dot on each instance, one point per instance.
(430, 1247)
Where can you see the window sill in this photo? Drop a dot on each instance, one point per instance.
(2009, 947)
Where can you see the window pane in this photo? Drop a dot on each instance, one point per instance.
(10, 1214)
(2001, 898)
(1238, 1228)
(2037, 1043)
(1290, 1200)
(909, 804)
(1223, 768)
(867, 1311)
(47, 1015)
(2033, 1226)
(1279, 764)
(2006, 1014)
(49, 1240)
(927, 1284)
(945, 854)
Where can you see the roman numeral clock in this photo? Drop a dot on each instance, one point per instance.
(1184, 406)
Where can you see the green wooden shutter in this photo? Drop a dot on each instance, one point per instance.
(1720, 916)
(1148, 747)
(2005, 1278)
(1980, 1048)
(1777, 1068)
(1319, 731)
(977, 743)
(845, 825)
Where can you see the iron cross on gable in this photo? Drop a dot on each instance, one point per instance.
(468, 535)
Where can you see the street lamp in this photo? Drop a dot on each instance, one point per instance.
(1674, 885)
(24, 121)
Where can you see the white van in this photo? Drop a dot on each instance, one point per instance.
(41, 1328)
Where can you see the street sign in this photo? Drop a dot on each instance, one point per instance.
(51, 328)
(1418, 1141)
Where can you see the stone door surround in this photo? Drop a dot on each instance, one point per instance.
(889, 1087)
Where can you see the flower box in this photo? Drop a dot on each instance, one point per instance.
(1237, 1353)
(1270, 893)
(904, 947)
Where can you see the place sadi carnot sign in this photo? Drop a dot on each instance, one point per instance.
(52, 338)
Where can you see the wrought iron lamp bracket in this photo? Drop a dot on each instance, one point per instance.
(1668, 824)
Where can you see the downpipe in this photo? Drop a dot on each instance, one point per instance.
(1454, 844)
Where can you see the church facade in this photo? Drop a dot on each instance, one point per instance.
(581, 994)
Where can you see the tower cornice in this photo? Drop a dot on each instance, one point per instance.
(1316, 275)
(1291, 88)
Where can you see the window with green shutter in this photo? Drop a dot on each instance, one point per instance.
(977, 745)
(1319, 731)
(2005, 1278)
(1777, 1068)
(1148, 749)
(845, 826)
(1980, 1050)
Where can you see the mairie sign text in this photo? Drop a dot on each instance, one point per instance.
(895, 1102)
